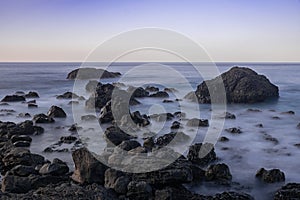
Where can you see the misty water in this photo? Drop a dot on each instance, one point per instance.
(244, 153)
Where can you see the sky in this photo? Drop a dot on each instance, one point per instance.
(228, 30)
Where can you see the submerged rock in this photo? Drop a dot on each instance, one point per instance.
(234, 130)
(242, 85)
(270, 176)
(92, 73)
(42, 118)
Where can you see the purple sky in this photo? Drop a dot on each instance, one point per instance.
(229, 30)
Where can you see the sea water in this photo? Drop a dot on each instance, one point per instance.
(244, 153)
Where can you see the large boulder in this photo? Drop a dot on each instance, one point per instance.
(270, 176)
(87, 168)
(116, 180)
(92, 73)
(116, 136)
(13, 98)
(202, 154)
(56, 111)
(289, 191)
(242, 85)
(219, 173)
(139, 190)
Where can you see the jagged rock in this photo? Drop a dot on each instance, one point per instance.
(21, 156)
(42, 118)
(91, 73)
(32, 94)
(129, 145)
(138, 92)
(160, 94)
(152, 89)
(149, 143)
(66, 191)
(116, 135)
(68, 139)
(173, 138)
(176, 173)
(56, 168)
(13, 98)
(242, 85)
(24, 115)
(74, 127)
(288, 191)
(176, 125)
(197, 122)
(219, 173)
(57, 112)
(87, 168)
(139, 190)
(23, 170)
(116, 180)
(270, 176)
(203, 157)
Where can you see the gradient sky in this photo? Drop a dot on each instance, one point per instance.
(230, 30)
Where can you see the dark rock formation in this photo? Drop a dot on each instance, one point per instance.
(139, 190)
(234, 130)
(242, 85)
(116, 180)
(219, 173)
(203, 157)
(270, 176)
(197, 122)
(92, 73)
(138, 92)
(87, 168)
(68, 95)
(42, 118)
(160, 94)
(13, 98)
(116, 136)
(32, 94)
(289, 191)
(175, 138)
(57, 112)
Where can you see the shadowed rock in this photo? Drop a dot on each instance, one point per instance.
(92, 73)
(242, 85)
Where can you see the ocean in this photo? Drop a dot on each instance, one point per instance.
(244, 153)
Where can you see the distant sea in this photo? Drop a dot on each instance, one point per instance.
(244, 154)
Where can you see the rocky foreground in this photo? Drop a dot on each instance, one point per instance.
(26, 175)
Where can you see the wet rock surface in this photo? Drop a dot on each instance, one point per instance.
(242, 85)
(270, 176)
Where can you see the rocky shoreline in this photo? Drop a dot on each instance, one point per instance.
(26, 175)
